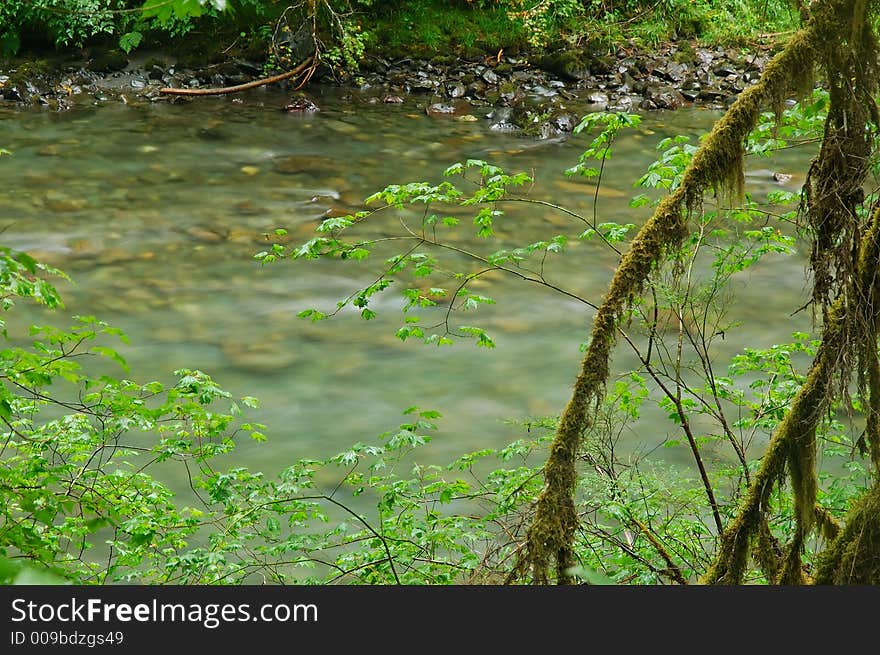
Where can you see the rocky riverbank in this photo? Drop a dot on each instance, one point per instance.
(528, 94)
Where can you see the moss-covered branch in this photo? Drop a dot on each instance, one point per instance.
(718, 164)
(844, 258)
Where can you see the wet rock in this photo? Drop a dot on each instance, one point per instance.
(664, 97)
(602, 65)
(423, 84)
(210, 133)
(204, 234)
(501, 120)
(489, 76)
(544, 122)
(542, 91)
(63, 204)
(28, 84)
(300, 105)
(510, 94)
(247, 208)
(568, 64)
(476, 89)
(711, 95)
(597, 98)
(294, 164)
(715, 74)
(725, 70)
(674, 72)
(704, 57)
(456, 90)
(629, 85)
(259, 356)
(439, 108)
(623, 103)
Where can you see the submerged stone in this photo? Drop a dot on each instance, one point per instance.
(299, 105)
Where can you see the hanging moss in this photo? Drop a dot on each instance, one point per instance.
(795, 434)
(839, 39)
(854, 556)
(872, 424)
(845, 270)
(718, 164)
(767, 551)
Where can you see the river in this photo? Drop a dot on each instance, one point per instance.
(156, 211)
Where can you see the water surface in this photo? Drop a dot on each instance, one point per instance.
(157, 210)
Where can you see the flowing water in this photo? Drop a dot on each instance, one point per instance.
(157, 210)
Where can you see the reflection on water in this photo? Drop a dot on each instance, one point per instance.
(157, 210)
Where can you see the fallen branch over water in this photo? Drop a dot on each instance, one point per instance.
(307, 64)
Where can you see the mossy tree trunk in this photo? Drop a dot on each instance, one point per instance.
(838, 39)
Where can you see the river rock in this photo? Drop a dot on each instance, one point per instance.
(725, 70)
(543, 121)
(423, 85)
(439, 108)
(674, 72)
(456, 90)
(598, 98)
(501, 120)
(259, 357)
(510, 93)
(568, 64)
(300, 105)
(489, 76)
(63, 204)
(24, 89)
(623, 103)
(248, 208)
(664, 97)
(204, 234)
(295, 164)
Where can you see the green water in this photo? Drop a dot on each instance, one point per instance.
(157, 210)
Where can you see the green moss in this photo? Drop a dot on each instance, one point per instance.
(717, 164)
(26, 73)
(427, 28)
(854, 556)
(572, 64)
(685, 54)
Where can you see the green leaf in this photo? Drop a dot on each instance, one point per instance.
(111, 354)
(129, 41)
